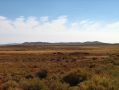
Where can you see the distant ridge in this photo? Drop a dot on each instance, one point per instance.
(63, 43)
(35, 43)
(94, 42)
(58, 43)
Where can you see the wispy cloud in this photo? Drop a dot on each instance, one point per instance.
(55, 30)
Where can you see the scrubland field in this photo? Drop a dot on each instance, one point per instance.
(59, 67)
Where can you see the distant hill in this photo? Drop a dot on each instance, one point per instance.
(63, 43)
(94, 42)
(35, 43)
(58, 43)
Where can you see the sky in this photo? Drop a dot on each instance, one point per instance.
(59, 21)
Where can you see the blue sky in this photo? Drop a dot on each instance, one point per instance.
(77, 9)
(78, 15)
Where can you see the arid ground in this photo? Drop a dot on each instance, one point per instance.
(59, 67)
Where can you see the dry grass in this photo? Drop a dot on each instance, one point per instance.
(20, 64)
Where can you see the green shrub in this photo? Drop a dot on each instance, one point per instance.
(73, 79)
(42, 74)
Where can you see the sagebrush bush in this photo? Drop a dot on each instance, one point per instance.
(73, 79)
(42, 74)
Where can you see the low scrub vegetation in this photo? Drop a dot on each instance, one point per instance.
(10, 85)
(100, 82)
(74, 78)
(42, 74)
(33, 84)
(66, 68)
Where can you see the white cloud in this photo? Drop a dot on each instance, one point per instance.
(5, 24)
(2, 18)
(31, 23)
(19, 23)
(44, 19)
(90, 26)
(113, 26)
(59, 29)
